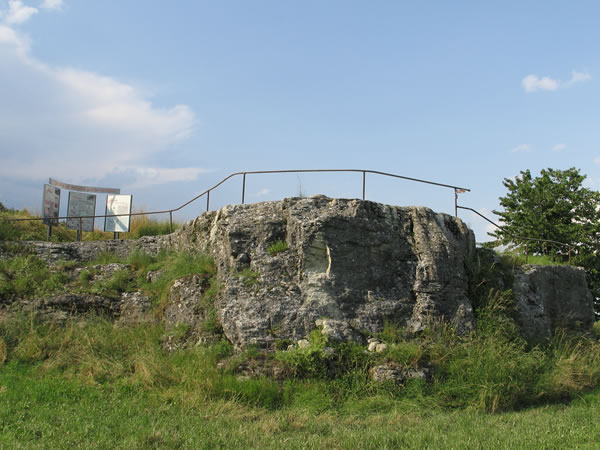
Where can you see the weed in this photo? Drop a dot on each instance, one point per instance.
(85, 276)
(283, 344)
(249, 277)
(222, 349)
(277, 247)
(392, 332)
(310, 361)
(144, 226)
(211, 323)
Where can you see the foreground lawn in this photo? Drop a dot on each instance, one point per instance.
(52, 411)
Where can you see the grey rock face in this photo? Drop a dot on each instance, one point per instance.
(552, 296)
(354, 263)
(52, 252)
(399, 374)
(135, 308)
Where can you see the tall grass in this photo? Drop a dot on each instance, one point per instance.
(144, 225)
(35, 230)
(491, 370)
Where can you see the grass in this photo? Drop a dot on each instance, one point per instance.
(277, 247)
(35, 230)
(249, 277)
(91, 384)
(27, 276)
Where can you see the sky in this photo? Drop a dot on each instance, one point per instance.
(165, 99)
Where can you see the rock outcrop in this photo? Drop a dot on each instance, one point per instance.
(344, 266)
(351, 264)
(550, 297)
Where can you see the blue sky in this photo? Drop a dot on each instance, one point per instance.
(164, 99)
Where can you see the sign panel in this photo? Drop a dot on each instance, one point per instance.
(81, 204)
(74, 187)
(51, 205)
(120, 206)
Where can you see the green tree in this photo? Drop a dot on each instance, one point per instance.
(554, 207)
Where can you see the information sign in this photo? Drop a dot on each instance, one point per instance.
(81, 204)
(120, 206)
(51, 205)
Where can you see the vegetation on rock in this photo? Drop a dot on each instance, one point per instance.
(556, 207)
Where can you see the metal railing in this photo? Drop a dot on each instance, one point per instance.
(457, 190)
(516, 238)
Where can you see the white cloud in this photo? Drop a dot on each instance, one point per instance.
(559, 147)
(577, 77)
(52, 4)
(532, 83)
(263, 192)
(18, 13)
(72, 124)
(521, 148)
(148, 176)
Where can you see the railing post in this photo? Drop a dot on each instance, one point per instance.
(170, 221)
(455, 202)
(364, 183)
(80, 230)
(244, 188)
(207, 200)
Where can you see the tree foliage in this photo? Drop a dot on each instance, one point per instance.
(552, 207)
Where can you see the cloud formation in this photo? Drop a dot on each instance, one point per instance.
(577, 77)
(148, 176)
(521, 148)
(74, 124)
(52, 4)
(559, 147)
(532, 83)
(18, 13)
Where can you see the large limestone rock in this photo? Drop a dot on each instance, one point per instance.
(550, 297)
(351, 264)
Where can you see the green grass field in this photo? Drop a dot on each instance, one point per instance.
(48, 410)
(94, 385)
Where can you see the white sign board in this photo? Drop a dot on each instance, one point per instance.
(81, 204)
(51, 204)
(120, 206)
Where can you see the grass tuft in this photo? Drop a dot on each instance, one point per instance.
(277, 247)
